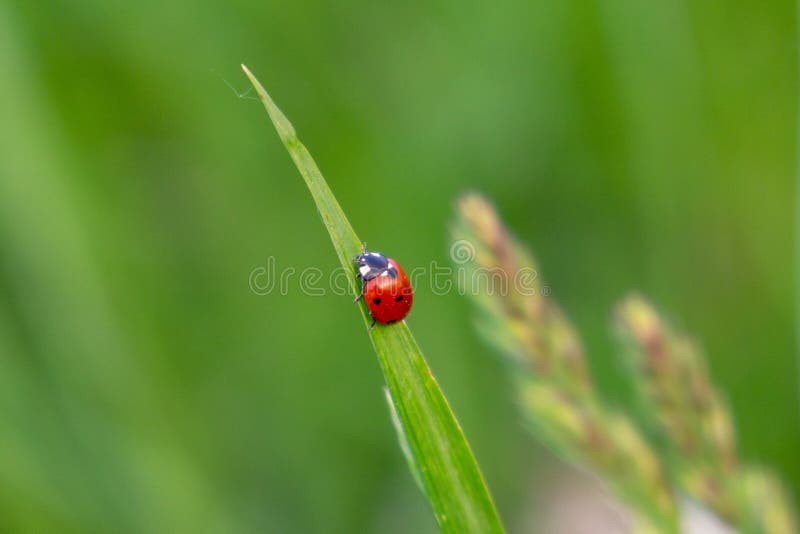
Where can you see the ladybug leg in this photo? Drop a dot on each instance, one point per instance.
(360, 296)
(373, 324)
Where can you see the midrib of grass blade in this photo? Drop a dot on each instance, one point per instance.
(451, 479)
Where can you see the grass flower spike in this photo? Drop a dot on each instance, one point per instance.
(556, 394)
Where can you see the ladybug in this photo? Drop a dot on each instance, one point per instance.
(385, 287)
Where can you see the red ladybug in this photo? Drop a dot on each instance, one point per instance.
(386, 287)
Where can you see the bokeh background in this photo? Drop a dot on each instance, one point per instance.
(145, 387)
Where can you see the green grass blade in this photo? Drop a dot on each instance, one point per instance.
(403, 441)
(450, 475)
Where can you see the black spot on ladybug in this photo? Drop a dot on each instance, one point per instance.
(376, 301)
(392, 321)
(399, 298)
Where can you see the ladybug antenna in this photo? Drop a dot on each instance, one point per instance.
(363, 251)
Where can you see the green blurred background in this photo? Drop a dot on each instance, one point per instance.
(144, 387)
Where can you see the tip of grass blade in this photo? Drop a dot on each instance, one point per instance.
(285, 129)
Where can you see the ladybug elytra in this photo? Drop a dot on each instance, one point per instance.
(385, 287)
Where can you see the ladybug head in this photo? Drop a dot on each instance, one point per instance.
(374, 264)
